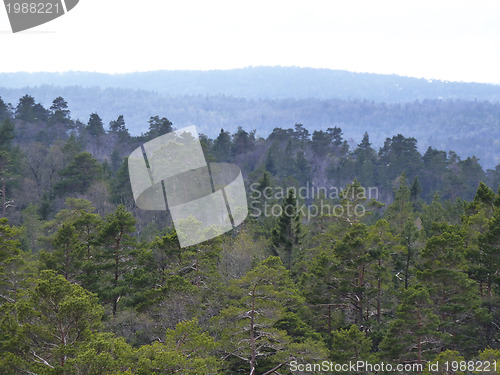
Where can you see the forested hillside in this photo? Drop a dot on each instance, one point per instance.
(267, 83)
(350, 252)
(465, 127)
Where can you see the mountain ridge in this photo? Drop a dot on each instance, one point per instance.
(267, 83)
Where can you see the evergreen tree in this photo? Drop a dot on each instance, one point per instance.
(71, 148)
(288, 231)
(321, 142)
(243, 142)
(121, 190)
(6, 134)
(118, 128)
(222, 147)
(59, 113)
(356, 259)
(365, 162)
(401, 210)
(301, 133)
(336, 136)
(95, 126)
(25, 109)
(187, 350)
(11, 261)
(118, 247)
(415, 191)
(454, 294)
(270, 163)
(157, 127)
(4, 111)
(351, 345)
(6, 176)
(263, 297)
(55, 319)
(79, 174)
(303, 168)
(399, 154)
(67, 255)
(413, 337)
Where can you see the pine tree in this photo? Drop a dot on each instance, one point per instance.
(243, 142)
(59, 113)
(263, 297)
(4, 111)
(118, 246)
(413, 336)
(454, 294)
(55, 319)
(79, 174)
(270, 163)
(288, 231)
(95, 126)
(121, 190)
(118, 128)
(351, 345)
(222, 146)
(67, 255)
(401, 210)
(365, 162)
(11, 261)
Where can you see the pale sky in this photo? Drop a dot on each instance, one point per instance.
(436, 39)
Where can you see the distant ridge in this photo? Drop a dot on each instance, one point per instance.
(267, 83)
(463, 117)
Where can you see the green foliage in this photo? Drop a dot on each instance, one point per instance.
(222, 147)
(259, 305)
(52, 322)
(121, 191)
(401, 210)
(157, 126)
(59, 113)
(79, 174)
(402, 285)
(102, 354)
(288, 231)
(351, 345)
(11, 261)
(453, 292)
(186, 349)
(4, 111)
(413, 336)
(95, 126)
(28, 111)
(6, 133)
(117, 254)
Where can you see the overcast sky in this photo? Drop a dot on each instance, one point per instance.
(441, 39)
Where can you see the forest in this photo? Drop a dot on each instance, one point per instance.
(91, 284)
(468, 127)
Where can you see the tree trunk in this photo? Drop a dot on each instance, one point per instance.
(252, 333)
(379, 282)
(117, 271)
(419, 344)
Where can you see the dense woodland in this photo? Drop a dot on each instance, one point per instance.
(90, 284)
(468, 127)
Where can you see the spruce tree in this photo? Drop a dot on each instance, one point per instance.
(288, 231)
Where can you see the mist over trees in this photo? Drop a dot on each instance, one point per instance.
(457, 116)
